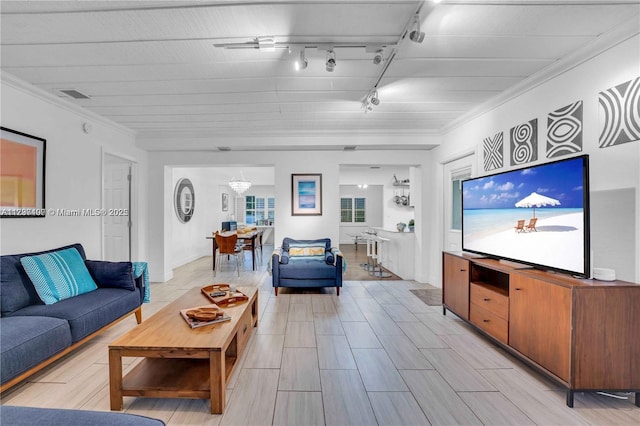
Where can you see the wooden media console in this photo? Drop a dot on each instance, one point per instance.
(581, 332)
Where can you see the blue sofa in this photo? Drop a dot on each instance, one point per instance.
(34, 334)
(301, 263)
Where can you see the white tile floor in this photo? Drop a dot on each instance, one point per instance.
(374, 355)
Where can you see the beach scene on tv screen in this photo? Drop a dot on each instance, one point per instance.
(535, 215)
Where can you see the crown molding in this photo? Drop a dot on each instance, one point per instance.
(25, 87)
(596, 47)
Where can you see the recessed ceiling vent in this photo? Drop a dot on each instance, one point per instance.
(224, 148)
(350, 148)
(73, 93)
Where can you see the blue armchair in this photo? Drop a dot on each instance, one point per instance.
(307, 263)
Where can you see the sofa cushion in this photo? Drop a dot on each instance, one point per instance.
(112, 274)
(27, 341)
(16, 289)
(304, 269)
(87, 312)
(29, 416)
(58, 275)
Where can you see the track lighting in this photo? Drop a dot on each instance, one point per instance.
(301, 62)
(331, 60)
(377, 59)
(416, 35)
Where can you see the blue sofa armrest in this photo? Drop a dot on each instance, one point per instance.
(275, 268)
(339, 267)
(329, 258)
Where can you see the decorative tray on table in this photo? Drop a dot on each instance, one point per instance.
(203, 315)
(224, 295)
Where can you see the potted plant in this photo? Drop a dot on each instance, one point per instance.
(411, 224)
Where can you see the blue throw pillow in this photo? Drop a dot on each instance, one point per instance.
(112, 274)
(58, 275)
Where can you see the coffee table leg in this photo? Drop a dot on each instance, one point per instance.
(115, 379)
(217, 381)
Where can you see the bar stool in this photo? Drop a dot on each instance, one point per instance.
(369, 266)
(379, 244)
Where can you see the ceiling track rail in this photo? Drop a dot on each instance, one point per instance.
(366, 102)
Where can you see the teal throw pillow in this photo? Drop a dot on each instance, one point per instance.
(58, 275)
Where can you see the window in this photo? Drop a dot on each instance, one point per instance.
(456, 198)
(353, 210)
(259, 210)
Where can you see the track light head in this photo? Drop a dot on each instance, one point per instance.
(377, 59)
(331, 60)
(301, 62)
(416, 35)
(374, 99)
(370, 101)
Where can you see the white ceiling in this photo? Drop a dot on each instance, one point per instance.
(152, 65)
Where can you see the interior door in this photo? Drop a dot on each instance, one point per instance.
(117, 203)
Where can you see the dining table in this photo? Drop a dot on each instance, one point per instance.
(251, 241)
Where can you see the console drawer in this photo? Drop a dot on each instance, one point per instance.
(245, 326)
(489, 322)
(494, 301)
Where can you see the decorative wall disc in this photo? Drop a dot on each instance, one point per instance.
(184, 200)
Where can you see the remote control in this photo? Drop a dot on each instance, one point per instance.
(217, 293)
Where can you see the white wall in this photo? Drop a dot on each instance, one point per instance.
(188, 240)
(610, 168)
(73, 171)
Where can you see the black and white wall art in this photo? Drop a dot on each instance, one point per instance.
(524, 142)
(564, 130)
(493, 148)
(620, 114)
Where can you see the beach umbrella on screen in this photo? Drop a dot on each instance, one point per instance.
(536, 200)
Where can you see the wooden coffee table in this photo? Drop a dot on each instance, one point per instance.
(180, 362)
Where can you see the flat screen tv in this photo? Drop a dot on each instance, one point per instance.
(538, 215)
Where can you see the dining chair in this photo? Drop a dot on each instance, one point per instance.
(227, 246)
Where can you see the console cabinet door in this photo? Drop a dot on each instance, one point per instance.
(540, 322)
(455, 284)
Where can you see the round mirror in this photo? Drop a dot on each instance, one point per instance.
(184, 200)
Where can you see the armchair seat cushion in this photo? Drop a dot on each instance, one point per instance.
(304, 269)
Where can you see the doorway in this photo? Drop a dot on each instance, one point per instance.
(117, 203)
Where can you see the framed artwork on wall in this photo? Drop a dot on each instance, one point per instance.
(306, 194)
(22, 172)
(225, 202)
